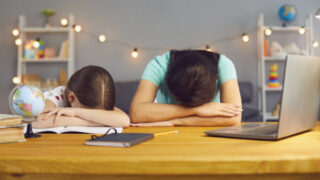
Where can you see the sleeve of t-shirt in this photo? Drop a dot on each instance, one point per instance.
(156, 69)
(56, 95)
(226, 68)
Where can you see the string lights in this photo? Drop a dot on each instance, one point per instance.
(135, 53)
(315, 44)
(102, 38)
(208, 48)
(245, 37)
(18, 42)
(302, 30)
(268, 32)
(16, 80)
(64, 22)
(15, 32)
(77, 28)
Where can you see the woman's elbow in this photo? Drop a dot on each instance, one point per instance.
(125, 121)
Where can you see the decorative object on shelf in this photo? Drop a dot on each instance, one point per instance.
(27, 101)
(48, 13)
(64, 50)
(55, 83)
(273, 77)
(33, 49)
(287, 13)
(49, 53)
(293, 49)
(47, 84)
(63, 78)
(266, 48)
(276, 50)
(32, 80)
(276, 110)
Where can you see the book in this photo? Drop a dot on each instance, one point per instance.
(75, 129)
(64, 50)
(119, 140)
(9, 119)
(12, 133)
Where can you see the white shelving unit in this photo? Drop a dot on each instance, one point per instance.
(26, 30)
(264, 90)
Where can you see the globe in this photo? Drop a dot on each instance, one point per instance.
(26, 101)
(287, 12)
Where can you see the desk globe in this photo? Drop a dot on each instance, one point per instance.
(27, 101)
(287, 13)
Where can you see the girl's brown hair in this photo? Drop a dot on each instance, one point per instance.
(93, 86)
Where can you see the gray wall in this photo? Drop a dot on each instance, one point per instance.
(149, 23)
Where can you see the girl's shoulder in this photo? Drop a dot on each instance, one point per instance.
(56, 95)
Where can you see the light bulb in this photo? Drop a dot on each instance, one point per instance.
(18, 42)
(268, 32)
(315, 44)
(36, 44)
(245, 37)
(15, 32)
(302, 30)
(16, 80)
(77, 28)
(135, 53)
(64, 22)
(208, 48)
(102, 38)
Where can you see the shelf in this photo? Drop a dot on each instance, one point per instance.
(44, 60)
(44, 30)
(287, 28)
(275, 58)
(269, 116)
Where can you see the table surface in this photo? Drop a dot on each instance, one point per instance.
(189, 152)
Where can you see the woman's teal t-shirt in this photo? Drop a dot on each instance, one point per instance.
(156, 70)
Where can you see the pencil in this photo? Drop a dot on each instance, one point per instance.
(164, 133)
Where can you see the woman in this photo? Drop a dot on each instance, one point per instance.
(191, 88)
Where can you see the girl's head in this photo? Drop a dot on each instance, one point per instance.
(91, 87)
(192, 75)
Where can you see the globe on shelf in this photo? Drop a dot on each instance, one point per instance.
(27, 101)
(287, 13)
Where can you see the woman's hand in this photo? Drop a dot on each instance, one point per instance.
(218, 109)
(71, 112)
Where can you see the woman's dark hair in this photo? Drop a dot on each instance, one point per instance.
(93, 86)
(192, 75)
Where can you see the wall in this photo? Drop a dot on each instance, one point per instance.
(149, 23)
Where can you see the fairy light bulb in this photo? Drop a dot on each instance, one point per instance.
(77, 28)
(245, 37)
(36, 44)
(64, 22)
(302, 30)
(18, 42)
(315, 44)
(102, 38)
(15, 32)
(208, 48)
(16, 80)
(135, 53)
(268, 32)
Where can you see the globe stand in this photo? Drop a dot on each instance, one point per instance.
(29, 133)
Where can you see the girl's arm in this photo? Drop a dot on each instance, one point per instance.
(116, 117)
(144, 110)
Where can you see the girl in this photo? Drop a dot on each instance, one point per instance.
(87, 100)
(192, 88)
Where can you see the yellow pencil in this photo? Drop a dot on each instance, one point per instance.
(164, 133)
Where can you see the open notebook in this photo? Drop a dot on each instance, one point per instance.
(76, 129)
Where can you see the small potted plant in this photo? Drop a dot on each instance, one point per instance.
(48, 13)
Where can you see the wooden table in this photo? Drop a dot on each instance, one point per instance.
(188, 154)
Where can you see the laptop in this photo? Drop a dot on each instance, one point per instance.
(299, 104)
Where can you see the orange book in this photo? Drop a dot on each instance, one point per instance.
(266, 46)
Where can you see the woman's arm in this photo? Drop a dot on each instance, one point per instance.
(230, 93)
(144, 110)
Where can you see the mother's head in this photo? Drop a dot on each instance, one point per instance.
(192, 75)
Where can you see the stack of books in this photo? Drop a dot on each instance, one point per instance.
(11, 128)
